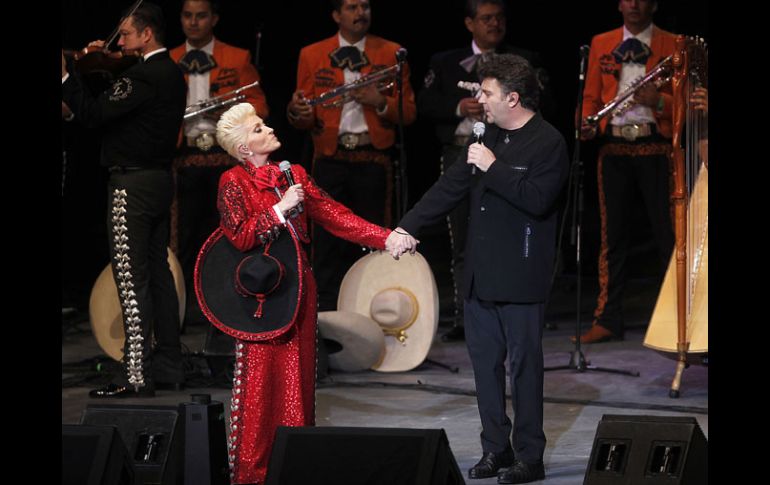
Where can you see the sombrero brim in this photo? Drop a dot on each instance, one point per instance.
(105, 311)
(361, 339)
(229, 310)
(379, 271)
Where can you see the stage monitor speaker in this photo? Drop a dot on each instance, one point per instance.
(365, 456)
(205, 441)
(94, 455)
(648, 450)
(152, 436)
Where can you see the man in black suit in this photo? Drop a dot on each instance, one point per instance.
(139, 117)
(513, 180)
(454, 109)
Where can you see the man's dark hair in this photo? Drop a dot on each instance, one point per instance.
(472, 6)
(514, 73)
(337, 4)
(212, 3)
(150, 15)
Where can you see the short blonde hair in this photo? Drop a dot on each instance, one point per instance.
(231, 129)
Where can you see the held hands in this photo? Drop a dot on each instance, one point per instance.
(291, 198)
(471, 108)
(399, 241)
(480, 156)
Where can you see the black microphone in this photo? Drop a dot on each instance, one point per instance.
(401, 54)
(584, 50)
(478, 132)
(285, 167)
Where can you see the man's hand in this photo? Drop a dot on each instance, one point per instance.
(299, 109)
(480, 156)
(471, 108)
(370, 95)
(587, 131)
(647, 95)
(399, 241)
(63, 66)
(700, 100)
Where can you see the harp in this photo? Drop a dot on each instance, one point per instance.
(679, 324)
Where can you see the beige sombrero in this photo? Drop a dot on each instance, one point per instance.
(402, 297)
(361, 341)
(105, 312)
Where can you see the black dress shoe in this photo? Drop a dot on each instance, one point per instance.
(490, 463)
(522, 472)
(457, 332)
(113, 390)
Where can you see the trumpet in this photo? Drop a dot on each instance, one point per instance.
(384, 78)
(217, 102)
(660, 74)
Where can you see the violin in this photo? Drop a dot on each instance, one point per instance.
(92, 59)
(99, 59)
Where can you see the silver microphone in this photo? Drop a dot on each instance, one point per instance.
(285, 167)
(478, 132)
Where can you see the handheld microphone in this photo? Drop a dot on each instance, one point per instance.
(285, 168)
(401, 54)
(478, 132)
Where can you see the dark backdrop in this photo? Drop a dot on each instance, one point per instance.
(554, 29)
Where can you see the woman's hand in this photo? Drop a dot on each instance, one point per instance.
(291, 198)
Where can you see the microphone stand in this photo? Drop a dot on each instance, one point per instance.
(400, 161)
(575, 199)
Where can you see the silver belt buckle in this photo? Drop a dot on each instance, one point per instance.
(349, 140)
(205, 141)
(629, 132)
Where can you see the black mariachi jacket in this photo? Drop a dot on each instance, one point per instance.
(139, 115)
(511, 240)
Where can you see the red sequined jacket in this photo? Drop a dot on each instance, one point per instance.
(247, 195)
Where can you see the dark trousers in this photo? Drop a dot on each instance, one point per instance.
(365, 188)
(457, 221)
(197, 214)
(494, 332)
(621, 168)
(138, 226)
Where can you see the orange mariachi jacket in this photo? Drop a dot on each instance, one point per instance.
(315, 76)
(234, 69)
(603, 73)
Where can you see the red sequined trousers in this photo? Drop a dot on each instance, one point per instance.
(274, 385)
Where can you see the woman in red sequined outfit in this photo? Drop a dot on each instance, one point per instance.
(274, 383)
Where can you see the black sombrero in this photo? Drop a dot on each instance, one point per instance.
(251, 295)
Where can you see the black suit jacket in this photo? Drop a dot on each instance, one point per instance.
(139, 115)
(439, 95)
(511, 239)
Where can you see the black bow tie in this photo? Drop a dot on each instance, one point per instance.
(197, 62)
(632, 50)
(348, 57)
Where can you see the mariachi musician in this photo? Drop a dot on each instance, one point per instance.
(635, 151)
(212, 68)
(139, 115)
(352, 142)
